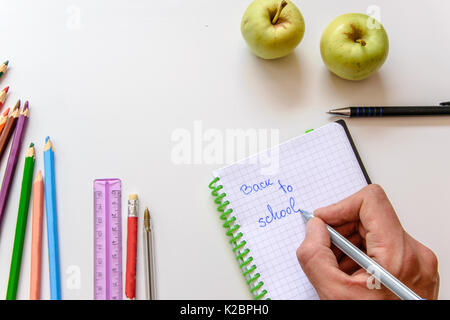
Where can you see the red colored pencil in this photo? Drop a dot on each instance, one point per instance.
(130, 279)
(3, 96)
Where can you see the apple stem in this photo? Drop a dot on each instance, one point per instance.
(280, 7)
(361, 41)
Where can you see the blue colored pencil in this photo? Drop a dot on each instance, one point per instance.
(52, 225)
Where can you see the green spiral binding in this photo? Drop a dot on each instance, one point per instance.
(242, 253)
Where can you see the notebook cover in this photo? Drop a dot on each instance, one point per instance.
(355, 151)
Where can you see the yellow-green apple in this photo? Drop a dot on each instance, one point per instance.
(272, 28)
(354, 46)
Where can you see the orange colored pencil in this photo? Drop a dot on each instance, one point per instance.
(3, 118)
(3, 96)
(36, 237)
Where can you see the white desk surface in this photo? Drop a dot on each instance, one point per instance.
(112, 84)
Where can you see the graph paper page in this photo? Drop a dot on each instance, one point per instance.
(315, 170)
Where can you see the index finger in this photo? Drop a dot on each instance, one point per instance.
(370, 205)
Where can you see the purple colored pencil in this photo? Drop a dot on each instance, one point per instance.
(13, 157)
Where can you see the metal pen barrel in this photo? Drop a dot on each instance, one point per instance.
(148, 256)
(377, 271)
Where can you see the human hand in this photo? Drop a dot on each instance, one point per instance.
(369, 221)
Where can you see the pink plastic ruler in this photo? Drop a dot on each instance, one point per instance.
(107, 239)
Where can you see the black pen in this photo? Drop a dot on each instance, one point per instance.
(442, 109)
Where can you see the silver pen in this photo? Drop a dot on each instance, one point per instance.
(377, 271)
(148, 256)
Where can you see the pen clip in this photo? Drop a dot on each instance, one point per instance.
(447, 103)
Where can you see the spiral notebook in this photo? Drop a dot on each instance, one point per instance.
(260, 207)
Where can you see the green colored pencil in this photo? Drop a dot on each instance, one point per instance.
(21, 226)
(3, 67)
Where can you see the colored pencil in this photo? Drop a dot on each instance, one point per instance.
(3, 118)
(12, 159)
(21, 225)
(8, 130)
(130, 275)
(36, 237)
(3, 68)
(52, 222)
(3, 96)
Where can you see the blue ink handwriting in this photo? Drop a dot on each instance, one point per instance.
(247, 189)
(286, 188)
(277, 215)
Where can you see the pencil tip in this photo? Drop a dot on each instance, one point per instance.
(5, 113)
(25, 107)
(48, 144)
(6, 89)
(31, 152)
(6, 62)
(16, 106)
(39, 176)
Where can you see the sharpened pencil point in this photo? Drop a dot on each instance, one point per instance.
(25, 110)
(6, 89)
(39, 176)
(5, 113)
(31, 152)
(6, 62)
(48, 144)
(16, 106)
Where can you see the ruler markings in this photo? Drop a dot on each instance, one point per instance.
(107, 239)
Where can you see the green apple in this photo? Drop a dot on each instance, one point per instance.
(354, 46)
(272, 28)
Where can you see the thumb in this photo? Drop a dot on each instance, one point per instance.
(316, 258)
